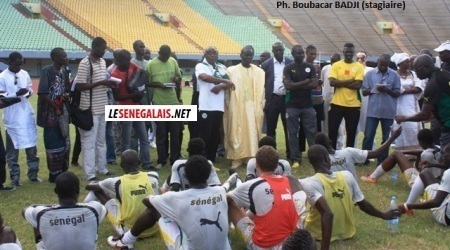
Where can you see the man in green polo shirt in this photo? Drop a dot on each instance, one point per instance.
(164, 69)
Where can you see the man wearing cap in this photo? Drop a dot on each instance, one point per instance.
(444, 55)
(436, 96)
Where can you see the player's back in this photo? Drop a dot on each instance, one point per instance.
(68, 227)
(178, 175)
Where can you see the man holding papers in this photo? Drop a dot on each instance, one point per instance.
(382, 85)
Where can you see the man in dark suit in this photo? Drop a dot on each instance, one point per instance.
(275, 92)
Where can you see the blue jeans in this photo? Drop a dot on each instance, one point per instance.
(307, 117)
(110, 147)
(141, 132)
(12, 156)
(371, 130)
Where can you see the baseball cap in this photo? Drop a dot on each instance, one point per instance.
(444, 46)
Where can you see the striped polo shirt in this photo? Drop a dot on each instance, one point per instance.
(99, 94)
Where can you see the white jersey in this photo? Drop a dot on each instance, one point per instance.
(67, 227)
(179, 178)
(202, 215)
(314, 189)
(112, 185)
(432, 156)
(283, 168)
(445, 187)
(345, 159)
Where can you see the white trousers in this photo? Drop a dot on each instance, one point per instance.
(93, 148)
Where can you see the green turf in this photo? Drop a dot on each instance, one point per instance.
(419, 231)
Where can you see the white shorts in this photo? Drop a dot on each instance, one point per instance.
(439, 213)
(113, 208)
(246, 226)
(410, 175)
(170, 233)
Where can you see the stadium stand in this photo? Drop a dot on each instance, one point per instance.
(243, 29)
(422, 24)
(121, 23)
(21, 33)
(205, 34)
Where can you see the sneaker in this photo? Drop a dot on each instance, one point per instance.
(113, 162)
(109, 173)
(368, 179)
(7, 188)
(116, 243)
(152, 144)
(159, 166)
(16, 184)
(296, 164)
(93, 179)
(232, 179)
(36, 180)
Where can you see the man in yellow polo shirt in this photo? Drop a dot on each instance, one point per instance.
(346, 77)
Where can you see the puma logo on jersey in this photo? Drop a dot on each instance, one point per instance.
(288, 196)
(339, 162)
(204, 221)
(338, 194)
(141, 191)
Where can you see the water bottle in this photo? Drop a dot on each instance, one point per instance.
(394, 177)
(392, 225)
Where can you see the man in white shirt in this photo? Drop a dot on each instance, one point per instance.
(361, 57)
(346, 158)
(21, 131)
(275, 92)
(283, 168)
(67, 225)
(196, 218)
(328, 92)
(178, 180)
(212, 81)
(437, 196)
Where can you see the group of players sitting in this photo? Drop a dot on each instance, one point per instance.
(272, 209)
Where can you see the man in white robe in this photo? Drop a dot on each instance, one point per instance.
(243, 117)
(21, 131)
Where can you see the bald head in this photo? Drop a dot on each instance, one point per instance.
(335, 57)
(424, 66)
(264, 56)
(322, 139)
(130, 160)
(425, 52)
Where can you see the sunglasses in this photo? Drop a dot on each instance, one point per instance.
(361, 58)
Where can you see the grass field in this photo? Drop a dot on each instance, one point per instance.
(419, 231)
